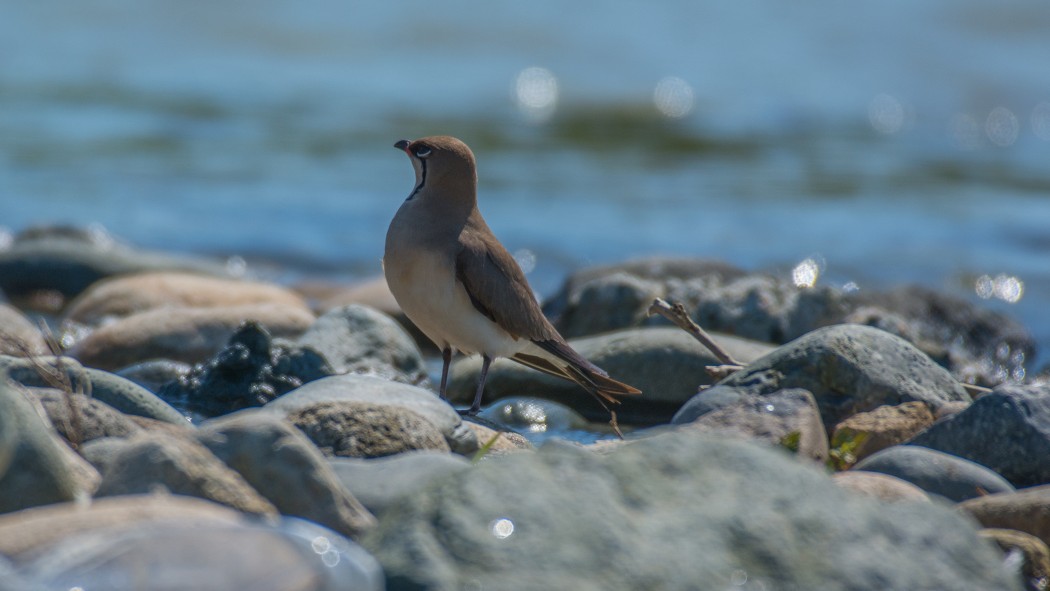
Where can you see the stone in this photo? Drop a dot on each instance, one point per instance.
(1034, 555)
(359, 339)
(1026, 510)
(366, 430)
(19, 337)
(788, 419)
(849, 369)
(666, 364)
(936, 472)
(208, 557)
(1016, 418)
(495, 441)
(153, 461)
(38, 467)
(664, 513)
(880, 486)
(373, 390)
(535, 416)
(123, 395)
(251, 370)
(282, 465)
(182, 334)
(118, 297)
(155, 373)
(382, 482)
(882, 427)
(79, 419)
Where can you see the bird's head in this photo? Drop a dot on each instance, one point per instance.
(444, 166)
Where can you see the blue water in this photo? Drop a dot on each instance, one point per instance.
(903, 141)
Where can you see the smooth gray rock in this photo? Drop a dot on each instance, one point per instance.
(381, 482)
(36, 466)
(153, 374)
(80, 419)
(154, 461)
(1007, 430)
(123, 395)
(283, 466)
(666, 364)
(366, 430)
(359, 339)
(532, 415)
(674, 511)
(371, 389)
(295, 555)
(849, 369)
(19, 337)
(936, 472)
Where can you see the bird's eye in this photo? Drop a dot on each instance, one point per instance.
(422, 152)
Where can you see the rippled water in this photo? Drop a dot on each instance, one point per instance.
(904, 141)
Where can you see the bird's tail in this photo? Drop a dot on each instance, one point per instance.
(601, 385)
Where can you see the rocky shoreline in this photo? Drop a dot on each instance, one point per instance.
(849, 452)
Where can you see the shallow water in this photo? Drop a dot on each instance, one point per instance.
(898, 142)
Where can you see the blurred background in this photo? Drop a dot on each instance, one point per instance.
(868, 145)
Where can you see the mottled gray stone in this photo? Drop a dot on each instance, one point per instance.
(366, 430)
(936, 472)
(381, 482)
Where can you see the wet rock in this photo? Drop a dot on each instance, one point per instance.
(19, 337)
(79, 419)
(155, 374)
(68, 260)
(1016, 418)
(883, 427)
(381, 482)
(282, 465)
(1026, 510)
(788, 419)
(118, 297)
(880, 486)
(208, 557)
(630, 519)
(358, 339)
(533, 415)
(123, 395)
(849, 369)
(665, 363)
(153, 461)
(935, 472)
(182, 334)
(38, 467)
(1033, 553)
(377, 391)
(495, 441)
(366, 430)
(251, 370)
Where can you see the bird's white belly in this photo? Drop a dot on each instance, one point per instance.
(428, 292)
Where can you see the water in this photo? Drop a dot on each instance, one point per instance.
(906, 141)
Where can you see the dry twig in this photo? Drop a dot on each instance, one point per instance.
(678, 315)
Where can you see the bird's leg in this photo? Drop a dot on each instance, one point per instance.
(446, 360)
(474, 408)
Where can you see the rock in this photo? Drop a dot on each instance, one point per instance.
(27, 534)
(37, 467)
(123, 395)
(1026, 510)
(535, 416)
(665, 363)
(208, 557)
(358, 339)
(849, 369)
(366, 430)
(609, 302)
(80, 419)
(883, 427)
(154, 374)
(118, 297)
(101, 452)
(18, 336)
(788, 419)
(381, 482)
(373, 390)
(68, 260)
(497, 441)
(182, 334)
(880, 486)
(283, 466)
(373, 293)
(1016, 418)
(152, 461)
(665, 513)
(251, 370)
(1033, 553)
(935, 472)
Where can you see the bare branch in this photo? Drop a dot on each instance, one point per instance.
(678, 315)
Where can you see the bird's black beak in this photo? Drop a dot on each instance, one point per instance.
(402, 145)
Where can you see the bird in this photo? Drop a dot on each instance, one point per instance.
(458, 284)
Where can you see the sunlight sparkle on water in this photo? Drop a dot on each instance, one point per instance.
(673, 97)
(965, 130)
(502, 528)
(1002, 127)
(536, 93)
(526, 260)
(1005, 287)
(886, 114)
(1041, 121)
(806, 273)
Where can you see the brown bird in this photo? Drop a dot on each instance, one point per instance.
(461, 287)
